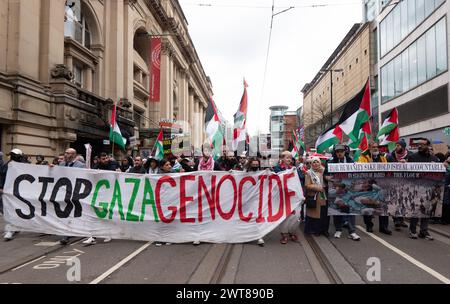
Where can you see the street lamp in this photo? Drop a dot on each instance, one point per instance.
(331, 90)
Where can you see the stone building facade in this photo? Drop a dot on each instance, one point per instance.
(64, 63)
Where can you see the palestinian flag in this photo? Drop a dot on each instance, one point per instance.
(159, 146)
(297, 141)
(365, 131)
(329, 138)
(356, 113)
(363, 146)
(114, 131)
(294, 151)
(388, 134)
(240, 119)
(213, 128)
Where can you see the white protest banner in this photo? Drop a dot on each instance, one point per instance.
(396, 189)
(217, 207)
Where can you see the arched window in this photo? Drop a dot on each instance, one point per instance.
(75, 25)
(82, 44)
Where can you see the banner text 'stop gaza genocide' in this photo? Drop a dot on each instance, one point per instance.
(203, 206)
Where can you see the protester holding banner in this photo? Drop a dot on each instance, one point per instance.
(126, 164)
(105, 163)
(70, 160)
(138, 166)
(317, 220)
(373, 155)
(108, 164)
(340, 155)
(15, 155)
(422, 156)
(152, 165)
(254, 165)
(288, 227)
(206, 162)
(301, 174)
(187, 164)
(228, 162)
(446, 202)
(399, 155)
(285, 162)
(242, 162)
(165, 166)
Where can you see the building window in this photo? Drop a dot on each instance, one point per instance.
(420, 62)
(75, 25)
(402, 20)
(441, 47)
(78, 75)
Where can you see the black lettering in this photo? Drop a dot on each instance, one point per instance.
(16, 193)
(77, 195)
(62, 182)
(45, 181)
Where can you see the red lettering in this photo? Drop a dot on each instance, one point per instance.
(260, 218)
(184, 199)
(161, 181)
(209, 197)
(241, 185)
(227, 215)
(287, 193)
(279, 214)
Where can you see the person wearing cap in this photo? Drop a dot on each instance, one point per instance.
(341, 155)
(16, 155)
(373, 155)
(399, 155)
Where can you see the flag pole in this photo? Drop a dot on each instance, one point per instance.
(112, 126)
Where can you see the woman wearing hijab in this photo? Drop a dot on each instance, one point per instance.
(316, 218)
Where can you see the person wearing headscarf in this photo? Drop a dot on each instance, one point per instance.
(316, 220)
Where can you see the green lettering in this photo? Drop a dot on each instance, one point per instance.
(100, 212)
(117, 196)
(130, 216)
(148, 201)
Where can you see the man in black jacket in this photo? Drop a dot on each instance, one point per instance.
(138, 166)
(422, 156)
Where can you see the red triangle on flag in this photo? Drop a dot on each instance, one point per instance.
(365, 103)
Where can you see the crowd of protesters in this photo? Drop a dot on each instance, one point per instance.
(312, 171)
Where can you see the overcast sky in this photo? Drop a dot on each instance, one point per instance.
(231, 38)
